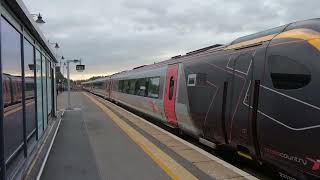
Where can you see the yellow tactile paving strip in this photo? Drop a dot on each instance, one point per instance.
(165, 162)
(202, 162)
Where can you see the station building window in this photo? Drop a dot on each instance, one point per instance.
(29, 87)
(49, 90)
(39, 86)
(12, 73)
(44, 90)
(287, 73)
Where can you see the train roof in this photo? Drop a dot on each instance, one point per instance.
(175, 59)
(21, 11)
(239, 43)
(96, 80)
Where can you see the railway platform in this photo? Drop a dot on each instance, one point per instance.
(100, 140)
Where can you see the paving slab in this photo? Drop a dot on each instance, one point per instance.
(89, 145)
(216, 170)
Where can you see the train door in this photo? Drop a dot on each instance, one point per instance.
(170, 93)
(241, 117)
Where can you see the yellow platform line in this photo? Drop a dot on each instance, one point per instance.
(164, 161)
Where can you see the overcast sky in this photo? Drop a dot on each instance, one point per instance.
(116, 35)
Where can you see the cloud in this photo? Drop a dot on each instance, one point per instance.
(116, 35)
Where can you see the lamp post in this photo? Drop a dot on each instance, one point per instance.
(68, 77)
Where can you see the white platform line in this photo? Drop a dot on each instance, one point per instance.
(49, 150)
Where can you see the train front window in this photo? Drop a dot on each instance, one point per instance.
(287, 73)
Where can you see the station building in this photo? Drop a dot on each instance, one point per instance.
(27, 86)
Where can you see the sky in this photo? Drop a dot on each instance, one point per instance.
(115, 35)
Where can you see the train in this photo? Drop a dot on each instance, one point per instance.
(12, 89)
(257, 95)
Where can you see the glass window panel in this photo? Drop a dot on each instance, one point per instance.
(141, 87)
(44, 90)
(39, 93)
(126, 86)
(54, 87)
(12, 87)
(153, 87)
(49, 86)
(120, 86)
(132, 86)
(29, 87)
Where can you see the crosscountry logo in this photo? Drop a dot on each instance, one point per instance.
(316, 164)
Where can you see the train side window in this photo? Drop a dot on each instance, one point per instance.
(171, 88)
(132, 86)
(137, 87)
(153, 87)
(287, 73)
(120, 88)
(147, 87)
(140, 87)
(125, 86)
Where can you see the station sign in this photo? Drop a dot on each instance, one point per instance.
(80, 68)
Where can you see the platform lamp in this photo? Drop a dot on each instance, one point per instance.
(39, 18)
(61, 59)
(56, 46)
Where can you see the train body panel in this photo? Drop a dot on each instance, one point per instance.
(289, 110)
(6, 90)
(185, 122)
(138, 97)
(257, 95)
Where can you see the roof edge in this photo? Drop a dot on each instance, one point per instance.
(23, 14)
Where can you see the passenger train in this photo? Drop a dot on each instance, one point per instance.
(12, 89)
(258, 95)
